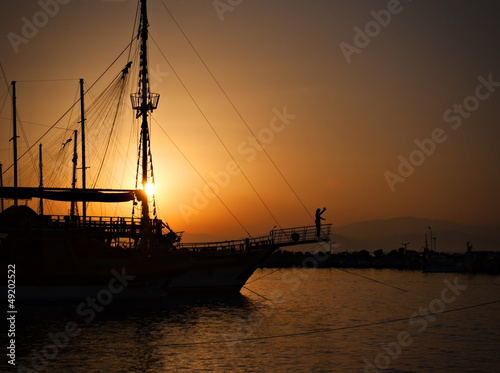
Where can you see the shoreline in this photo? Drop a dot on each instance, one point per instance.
(487, 262)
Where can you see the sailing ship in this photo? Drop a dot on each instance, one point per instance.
(70, 257)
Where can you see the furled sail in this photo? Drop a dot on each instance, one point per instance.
(64, 194)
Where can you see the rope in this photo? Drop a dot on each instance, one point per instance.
(70, 108)
(202, 178)
(25, 140)
(217, 135)
(38, 124)
(45, 80)
(133, 29)
(371, 279)
(238, 112)
(260, 295)
(261, 277)
(324, 330)
(121, 83)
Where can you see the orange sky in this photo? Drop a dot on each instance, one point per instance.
(337, 125)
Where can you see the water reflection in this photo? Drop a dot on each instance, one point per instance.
(130, 337)
(179, 336)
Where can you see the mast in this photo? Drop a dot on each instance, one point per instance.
(73, 183)
(144, 108)
(144, 101)
(40, 165)
(82, 111)
(14, 137)
(1, 186)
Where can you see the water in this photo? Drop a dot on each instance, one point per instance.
(311, 321)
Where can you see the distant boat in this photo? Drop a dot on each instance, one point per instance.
(71, 257)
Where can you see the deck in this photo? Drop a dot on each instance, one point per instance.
(276, 237)
(119, 228)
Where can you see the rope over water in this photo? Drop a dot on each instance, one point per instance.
(324, 330)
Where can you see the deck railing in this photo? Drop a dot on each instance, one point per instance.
(247, 244)
(277, 237)
(128, 226)
(131, 227)
(301, 235)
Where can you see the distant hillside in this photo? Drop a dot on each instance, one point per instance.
(391, 233)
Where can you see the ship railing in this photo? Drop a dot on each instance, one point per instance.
(301, 235)
(127, 226)
(276, 237)
(245, 245)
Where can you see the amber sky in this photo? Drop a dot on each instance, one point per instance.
(374, 109)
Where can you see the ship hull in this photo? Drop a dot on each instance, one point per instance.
(55, 259)
(223, 276)
(202, 276)
(63, 293)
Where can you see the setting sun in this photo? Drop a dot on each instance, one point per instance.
(150, 189)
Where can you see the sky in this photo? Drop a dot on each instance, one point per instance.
(372, 109)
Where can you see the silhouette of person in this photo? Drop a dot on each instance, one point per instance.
(318, 220)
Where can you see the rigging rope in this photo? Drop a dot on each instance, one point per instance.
(340, 269)
(37, 124)
(25, 139)
(202, 178)
(217, 135)
(121, 83)
(70, 108)
(371, 279)
(261, 277)
(4, 76)
(238, 112)
(260, 295)
(325, 330)
(133, 30)
(4, 101)
(45, 80)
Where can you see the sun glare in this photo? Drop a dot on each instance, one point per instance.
(150, 189)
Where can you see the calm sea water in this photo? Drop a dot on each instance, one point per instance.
(292, 320)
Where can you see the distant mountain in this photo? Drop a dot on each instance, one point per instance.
(390, 234)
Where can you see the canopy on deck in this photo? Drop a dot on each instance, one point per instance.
(67, 194)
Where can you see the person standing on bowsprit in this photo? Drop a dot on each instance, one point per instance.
(318, 220)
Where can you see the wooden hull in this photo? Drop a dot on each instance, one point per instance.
(58, 259)
(222, 275)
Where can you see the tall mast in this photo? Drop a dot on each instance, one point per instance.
(14, 137)
(73, 183)
(1, 186)
(82, 111)
(144, 106)
(40, 165)
(144, 101)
